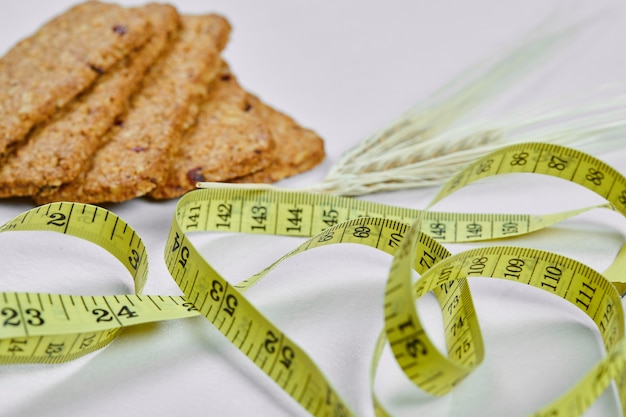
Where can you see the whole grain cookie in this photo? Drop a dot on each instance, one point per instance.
(229, 140)
(297, 149)
(42, 73)
(56, 151)
(132, 161)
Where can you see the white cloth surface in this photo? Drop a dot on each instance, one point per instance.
(345, 69)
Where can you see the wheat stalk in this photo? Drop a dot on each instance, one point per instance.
(430, 142)
(598, 126)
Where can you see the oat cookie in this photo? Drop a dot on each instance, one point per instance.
(297, 149)
(132, 161)
(56, 151)
(45, 71)
(229, 140)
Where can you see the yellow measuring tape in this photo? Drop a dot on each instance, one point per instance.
(52, 328)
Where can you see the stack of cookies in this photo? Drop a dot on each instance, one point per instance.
(106, 103)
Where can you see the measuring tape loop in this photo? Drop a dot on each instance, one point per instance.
(385, 235)
(583, 287)
(556, 161)
(434, 372)
(548, 159)
(269, 210)
(246, 327)
(53, 328)
(91, 223)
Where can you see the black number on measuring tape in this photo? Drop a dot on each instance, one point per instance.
(477, 266)
(609, 312)
(184, 252)
(328, 235)
(557, 163)
(552, 276)
(134, 259)
(17, 345)
(224, 212)
(594, 176)
(259, 215)
(514, 268)
(509, 227)
(394, 240)
(457, 325)
(622, 198)
(189, 307)
(125, 311)
(270, 342)
(231, 303)
(87, 341)
(13, 318)
(446, 286)
(184, 256)
(444, 276)
(194, 215)
(519, 158)
(438, 230)
(54, 349)
(474, 230)
(176, 244)
(57, 219)
(415, 347)
(427, 260)
(103, 315)
(287, 353)
(484, 166)
(295, 219)
(35, 318)
(463, 349)
(585, 295)
(330, 217)
(361, 232)
(216, 290)
(454, 303)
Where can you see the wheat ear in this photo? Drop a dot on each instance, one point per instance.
(433, 139)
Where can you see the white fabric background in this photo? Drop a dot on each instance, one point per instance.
(344, 69)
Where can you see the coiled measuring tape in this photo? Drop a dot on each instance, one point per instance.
(52, 328)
